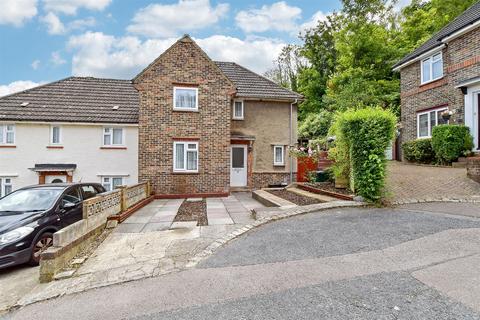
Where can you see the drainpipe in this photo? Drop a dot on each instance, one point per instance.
(291, 138)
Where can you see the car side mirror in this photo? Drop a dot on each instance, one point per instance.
(68, 205)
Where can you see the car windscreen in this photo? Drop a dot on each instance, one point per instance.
(30, 200)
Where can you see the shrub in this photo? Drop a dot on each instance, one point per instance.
(340, 152)
(420, 150)
(450, 142)
(368, 133)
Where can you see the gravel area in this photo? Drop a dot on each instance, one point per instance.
(294, 197)
(330, 186)
(193, 211)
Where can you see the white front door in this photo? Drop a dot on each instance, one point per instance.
(55, 179)
(472, 114)
(238, 165)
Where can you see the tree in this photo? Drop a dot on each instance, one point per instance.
(288, 65)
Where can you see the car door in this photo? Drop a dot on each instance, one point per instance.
(71, 206)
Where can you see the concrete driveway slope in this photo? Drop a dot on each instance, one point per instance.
(410, 262)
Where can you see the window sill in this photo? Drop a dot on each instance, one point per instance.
(8, 146)
(185, 110)
(185, 172)
(113, 148)
(431, 81)
(238, 119)
(54, 147)
(279, 165)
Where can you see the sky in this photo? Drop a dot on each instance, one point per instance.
(47, 40)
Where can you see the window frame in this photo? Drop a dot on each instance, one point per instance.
(5, 131)
(59, 135)
(110, 183)
(175, 99)
(275, 163)
(112, 145)
(429, 127)
(185, 160)
(234, 117)
(430, 61)
(4, 184)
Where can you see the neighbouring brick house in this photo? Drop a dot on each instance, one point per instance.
(443, 74)
(186, 123)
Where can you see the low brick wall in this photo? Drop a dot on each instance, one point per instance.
(263, 179)
(473, 168)
(70, 240)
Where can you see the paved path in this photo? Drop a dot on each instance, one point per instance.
(407, 182)
(350, 263)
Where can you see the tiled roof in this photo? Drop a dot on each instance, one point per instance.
(251, 85)
(467, 18)
(93, 100)
(74, 99)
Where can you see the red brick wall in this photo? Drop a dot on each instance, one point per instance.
(473, 168)
(160, 125)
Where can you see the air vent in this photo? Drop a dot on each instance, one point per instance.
(24, 104)
(115, 107)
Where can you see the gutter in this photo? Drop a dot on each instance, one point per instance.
(291, 138)
(419, 57)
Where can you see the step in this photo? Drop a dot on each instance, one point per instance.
(459, 164)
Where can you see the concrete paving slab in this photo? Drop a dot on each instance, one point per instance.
(156, 226)
(138, 219)
(129, 227)
(183, 225)
(215, 221)
(162, 218)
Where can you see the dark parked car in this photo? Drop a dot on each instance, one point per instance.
(29, 217)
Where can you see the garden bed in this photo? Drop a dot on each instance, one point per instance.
(193, 211)
(327, 188)
(294, 197)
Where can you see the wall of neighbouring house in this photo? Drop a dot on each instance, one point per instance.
(268, 122)
(461, 62)
(159, 125)
(81, 146)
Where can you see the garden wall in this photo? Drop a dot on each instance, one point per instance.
(473, 168)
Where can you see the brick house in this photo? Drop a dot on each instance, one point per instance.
(443, 74)
(186, 123)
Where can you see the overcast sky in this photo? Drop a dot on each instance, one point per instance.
(47, 40)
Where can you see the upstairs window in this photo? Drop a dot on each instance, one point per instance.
(238, 110)
(185, 98)
(55, 135)
(185, 156)
(427, 120)
(432, 68)
(113, 137)
(278, 156)
(7, 134)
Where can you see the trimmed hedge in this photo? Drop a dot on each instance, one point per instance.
(420, 151)
(368, 132)
(450, 142)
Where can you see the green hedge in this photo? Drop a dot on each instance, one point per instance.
(369, 132)
(420, 150)
(450, 142)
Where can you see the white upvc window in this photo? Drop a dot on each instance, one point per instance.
(185, 98)
(238, 110)
(278, 155)
(432, 68)
(7, 133)
(427, 120)
(5, 186)
(113, 136)
(110, 183)
(55, 135)
(185, 156)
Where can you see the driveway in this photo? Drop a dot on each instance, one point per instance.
(411, 262)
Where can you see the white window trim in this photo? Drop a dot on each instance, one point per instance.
(185, 149)
(3, 184)
(175, 99)
(4, 128)
(102, 181)
(111, 145)
(243, 110)
(59, 135)
(275, 163)
(428, 112)
(430, 59)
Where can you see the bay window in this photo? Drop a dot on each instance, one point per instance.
(427, 120)
(185, 156)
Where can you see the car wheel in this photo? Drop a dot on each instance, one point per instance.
(41, 244)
